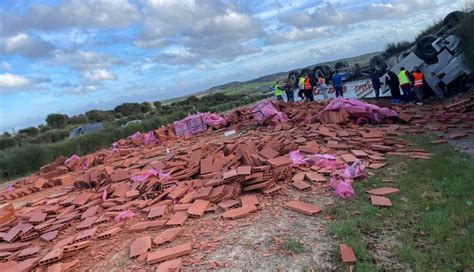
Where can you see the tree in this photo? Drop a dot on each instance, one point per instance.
(97, 116)
(157, 104)
(145, 107)
(192, 99)
(78, 119)
(128, 109)
(44, 128)
(6, 134)
(57, 120)
(30, 131)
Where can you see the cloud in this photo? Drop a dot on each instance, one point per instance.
(82, 89)
(298, 35)
(5, 65)
(10, 81)
(212, 29)
(83, 60)
(26, 46)
(99, 75)
(71, 13)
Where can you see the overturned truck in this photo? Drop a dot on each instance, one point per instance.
(437, 55)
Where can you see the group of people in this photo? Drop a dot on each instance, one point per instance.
(409, 82)
(306, 87)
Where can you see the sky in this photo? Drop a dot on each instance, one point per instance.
(70, 56)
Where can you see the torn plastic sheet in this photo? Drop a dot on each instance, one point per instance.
(73, 158)
(343, 188)
(125, 215)
(354, 171)
(145, 176)
(358, 109)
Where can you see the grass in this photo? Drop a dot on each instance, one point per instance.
(432, 220)
(294, 246)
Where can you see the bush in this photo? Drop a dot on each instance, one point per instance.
(98, 116)
(21, 160)
(396, 48)
(466, 35)
(30, 131)
(52, 136)
(78, 119)
(157, 104)
(56, 120)
(6, 142)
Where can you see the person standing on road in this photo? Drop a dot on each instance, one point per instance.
(278, 91)
(337, 83)
(322, 85)
(404, 79)
(308, 88)
(417, 76)
(301, 87)
(290, 95)
(391, 80)
(376, 84)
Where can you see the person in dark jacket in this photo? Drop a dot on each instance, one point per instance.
(290, 95)
(391, 80)
(337, 83)
(376, 84)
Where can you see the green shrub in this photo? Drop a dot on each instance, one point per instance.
(30, 131)
(21, 160)
(6, 142)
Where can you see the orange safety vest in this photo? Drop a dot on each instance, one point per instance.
(307, 84)
(418, 78)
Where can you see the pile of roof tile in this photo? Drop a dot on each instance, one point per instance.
(169, 183)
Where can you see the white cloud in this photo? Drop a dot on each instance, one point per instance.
(298, 35)
(99, 75)
(8, 81)
(25, 45)
(83, 60)
(5, 65)
(82, 89)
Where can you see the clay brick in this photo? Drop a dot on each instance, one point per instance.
(268, 153)
(53, 256)
(49, 236)
(6, 266)
(380, 201)
(167, 236)
(40, 182)
(77, 246)
(384, 191)
(173, 265)
(13, 246)
(249, 200)
(377, 165)
(231, 203)
(347, 254)
(206, 165)
(148, 225)
(12, 235)
(349, 158)
(108, 233)
(239, 212)
(315, 177)
(139, 246)
(132, 194)
(157, 212)
(24, 266)
(66, 241)
(280, 161)
(359, 153)
(86, 223)
(178, 192)
(90, 212)
(303, 207)
(177, 219)
(188, 197)
(29, 252)
(301, 185)
(85, 234)
(169, 253)
(181, 207)
(82, 199)
(198, 207)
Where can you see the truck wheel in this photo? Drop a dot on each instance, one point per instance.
(453, 19)
(317, 70)
(293, 76)
(425, 50)
(341, 64)
(378, 64)
(356, 70)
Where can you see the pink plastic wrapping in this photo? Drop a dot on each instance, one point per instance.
(354, 171)
(137, 136)
(149, 137)
(144, 176)
(104, 195)
(164, 175)
(359, 109)
(343, 188)
(73, 158)
(10, 188)
(296, 158)
(265, 110)
(214, 120)
(125, 215)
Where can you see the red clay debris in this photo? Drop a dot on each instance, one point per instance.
(347, 254)
(192, 176)
(380, 201)
(139, 246)
(303, 207)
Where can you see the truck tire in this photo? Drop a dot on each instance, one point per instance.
(293, 76)
(378, 64)
(341, 64)
(317, 70)
(356, 70)
(453, 19)
(425, 50)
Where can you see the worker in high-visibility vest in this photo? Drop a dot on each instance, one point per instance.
(278, 91)
(404, 79)
(301, 87)
(417, 76)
